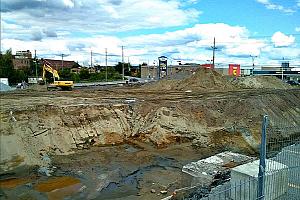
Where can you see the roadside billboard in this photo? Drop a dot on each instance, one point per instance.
(234, 70)
(163, 66)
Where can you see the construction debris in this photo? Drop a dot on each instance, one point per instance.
(4, 87)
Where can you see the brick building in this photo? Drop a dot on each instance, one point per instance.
(22, 59)
(59, 64)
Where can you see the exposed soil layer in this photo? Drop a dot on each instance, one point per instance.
(123, 142)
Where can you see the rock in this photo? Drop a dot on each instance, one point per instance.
(28, 185)
(82, 188)
(45, 171)
(164, 192)
(153, 191)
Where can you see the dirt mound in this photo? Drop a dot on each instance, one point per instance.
(161, 85)
(202, 79)
(261, 82)
(205, 79)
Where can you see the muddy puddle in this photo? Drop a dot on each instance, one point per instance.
(135, 171)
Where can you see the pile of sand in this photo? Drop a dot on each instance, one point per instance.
(205, 79)
(270, 82)
(200, 80)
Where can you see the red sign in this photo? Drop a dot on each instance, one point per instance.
(234, 70)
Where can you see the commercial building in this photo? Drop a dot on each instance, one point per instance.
(22, 59)
(61, 64)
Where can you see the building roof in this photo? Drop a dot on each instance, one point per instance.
(59, 64)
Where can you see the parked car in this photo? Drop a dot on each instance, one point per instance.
(133, 80)
(291, 82)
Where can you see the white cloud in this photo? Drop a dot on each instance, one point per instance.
(191, 44)
(281, 40)
(96, 17)
(69, 3)
(272, 6)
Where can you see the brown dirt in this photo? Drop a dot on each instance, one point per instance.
(201, 80)
(14, 182)
(261, 82)
(205, 79)
(185, 126)
(56, 183)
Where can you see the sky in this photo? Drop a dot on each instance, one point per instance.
(182, 30)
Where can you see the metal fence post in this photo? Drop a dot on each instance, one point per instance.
(262, 160)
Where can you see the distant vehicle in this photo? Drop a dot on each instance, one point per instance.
(291, 82)
(133, 80)
(22, 85)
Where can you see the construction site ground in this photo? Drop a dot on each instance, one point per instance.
(127, 142)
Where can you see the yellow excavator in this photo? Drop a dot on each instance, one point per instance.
(64, 85)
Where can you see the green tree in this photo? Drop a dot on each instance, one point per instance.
(84, 74)
(75, 77)
(7, 69)
(97, 76)
(6, 65)
(119, 68)
(65, 74)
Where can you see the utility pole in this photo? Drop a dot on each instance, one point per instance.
(91, 58)
(214, 49)
(253, 58)
(282, 69)
(62, 60)
(35, 61)
(106, 64)
(123, 63)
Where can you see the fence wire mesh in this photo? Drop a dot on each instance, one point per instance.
(281, 180)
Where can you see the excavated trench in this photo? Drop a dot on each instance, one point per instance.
(86, 148)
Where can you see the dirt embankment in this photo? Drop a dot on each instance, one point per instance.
(67, 124)
(209, 80)
(260, 82)
(201, 80)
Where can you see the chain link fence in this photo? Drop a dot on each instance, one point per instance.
(275, 176)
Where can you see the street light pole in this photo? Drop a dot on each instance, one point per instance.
(62, 60)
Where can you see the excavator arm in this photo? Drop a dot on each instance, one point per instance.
(48, 68)
(65, 85)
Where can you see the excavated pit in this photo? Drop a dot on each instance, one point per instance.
(126, 143)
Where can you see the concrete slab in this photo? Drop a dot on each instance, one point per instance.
(206, 170)
(244, 180)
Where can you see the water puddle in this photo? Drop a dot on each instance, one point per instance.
(56, 183)
(124, 172)
(60, 194)
(13, 182)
